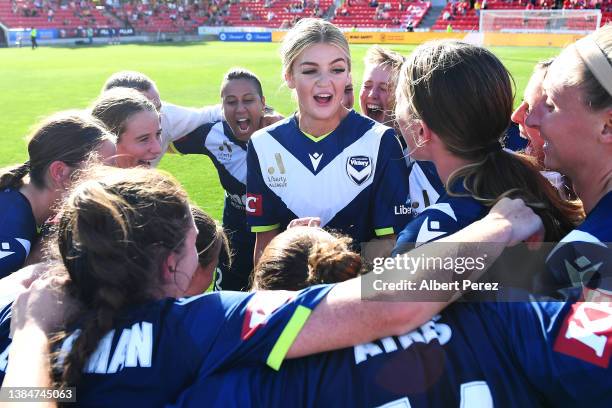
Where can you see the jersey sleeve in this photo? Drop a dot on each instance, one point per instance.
(434, 223)
(264, 208)
(391, 209)
(244, 328)
(178, 121)
(578, 263)
(194, 142)
(15, 239)
(564, 348)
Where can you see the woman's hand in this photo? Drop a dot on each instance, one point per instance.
(305, 222)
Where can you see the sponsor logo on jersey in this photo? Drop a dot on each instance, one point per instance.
(359, 168)
(261, 306)
(402, 209)
(225, 152)
(254, 205)
(275, 178)
(315, 159)
(280, 166)
(586, 332)
(236, 200)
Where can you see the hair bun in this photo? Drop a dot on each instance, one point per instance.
(331, 262)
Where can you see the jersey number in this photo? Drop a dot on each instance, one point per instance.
(473, 394)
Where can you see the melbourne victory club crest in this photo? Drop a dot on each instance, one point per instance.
(359, 168)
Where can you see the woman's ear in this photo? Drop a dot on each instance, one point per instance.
(59, 173)
(169, 267)
(289, 79)
(425, 133)
(606, 133)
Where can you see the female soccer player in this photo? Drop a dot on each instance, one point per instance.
(225, 142)
(377, 94)
(135, 121)
(325, 161)
(377, 101)
(212, 244)
(57, 147)
(528, 353)
(445, 121)
(574, 118)
(176, 121)
(126, 240)
(304, 256)
(532, 95)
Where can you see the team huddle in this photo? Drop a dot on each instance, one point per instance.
(114, 283)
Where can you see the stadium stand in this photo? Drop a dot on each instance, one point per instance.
(463, 18)
(169, 17)
(275, 14)
(381, 14)
(71, 17)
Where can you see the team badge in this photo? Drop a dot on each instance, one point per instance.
(359, 168)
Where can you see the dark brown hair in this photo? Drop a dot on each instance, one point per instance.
(211, 242)
(70, 137)
(464, 94)
(115, 230)
(305, 256)
(116, 106)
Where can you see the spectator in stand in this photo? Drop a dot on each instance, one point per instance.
(447, 16)
(477, 7)
(50, 15)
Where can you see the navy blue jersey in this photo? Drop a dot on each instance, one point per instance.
(447, 216)
(513, 140)
(584, 256)
(157, 350)
(228, 154)
(17, 230)
(520, 354)
(355, 179)
(425, 185)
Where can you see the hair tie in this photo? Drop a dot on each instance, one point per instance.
(596, 60)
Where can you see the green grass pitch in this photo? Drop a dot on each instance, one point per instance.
(34, 84)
